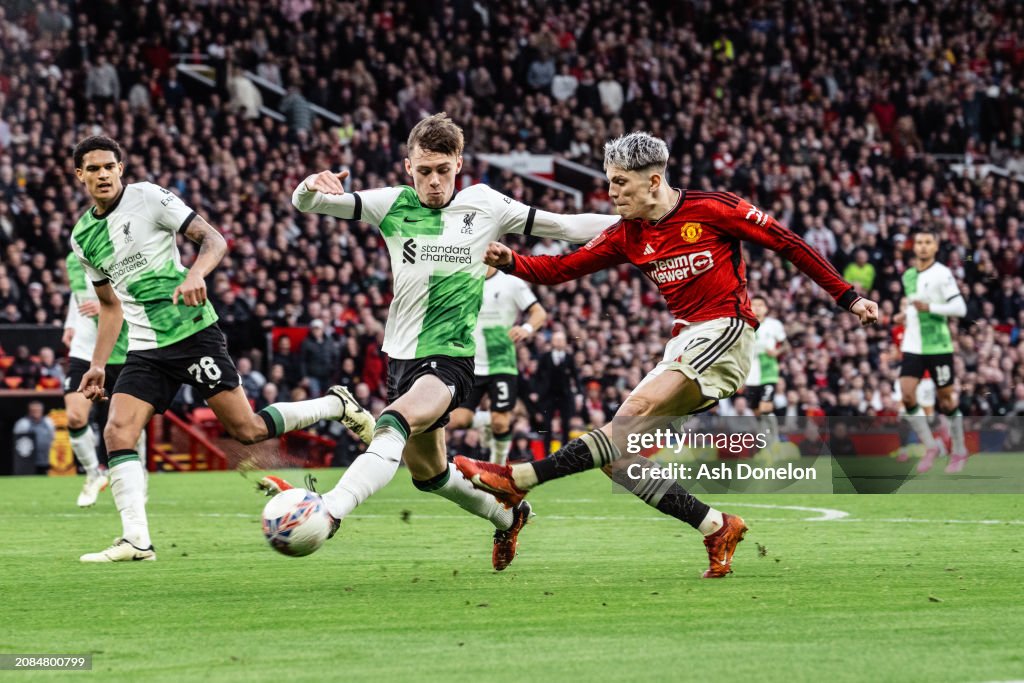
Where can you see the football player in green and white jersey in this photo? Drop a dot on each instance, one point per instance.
(496, 369)
(127, 247)
(769, 344)
(80, 338)
(932, 297)
(437, 238)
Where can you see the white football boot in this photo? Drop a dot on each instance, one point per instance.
(121, 551)
(91, 489)
(353, 415)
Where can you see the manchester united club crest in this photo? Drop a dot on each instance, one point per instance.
(691, 232)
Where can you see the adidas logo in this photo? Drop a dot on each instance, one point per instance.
(648, 250)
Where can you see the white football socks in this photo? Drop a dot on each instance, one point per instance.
(288, 417)
(83, 445)
(956, 430)
(919, 423)
(128, 486)
(481, 419)
(499, 447)
(712, 522)
(370, 472)
(460, 491)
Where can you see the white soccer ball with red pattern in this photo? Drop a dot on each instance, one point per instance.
(295, 522)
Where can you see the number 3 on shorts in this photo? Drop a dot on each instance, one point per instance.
(207, 366)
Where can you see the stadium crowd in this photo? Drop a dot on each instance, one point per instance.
(844, 119)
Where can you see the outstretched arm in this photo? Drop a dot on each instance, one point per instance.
(600, 253)
(575, 228)
(324, 193)
(749, 223)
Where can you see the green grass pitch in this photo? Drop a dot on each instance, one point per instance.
(604, 588)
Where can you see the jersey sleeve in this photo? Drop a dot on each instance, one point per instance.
(168, 211)
(514, 217)
(369, 206)
(95, 276)
(948, 286)
(952, 304)
(71, 320)
(747, 222)
(604, 251)
(524, 296)
(780, 332)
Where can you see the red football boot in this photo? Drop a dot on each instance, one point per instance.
(495, 479)
(722, 544)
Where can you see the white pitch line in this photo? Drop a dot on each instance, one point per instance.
(611, 518)
(824, 514)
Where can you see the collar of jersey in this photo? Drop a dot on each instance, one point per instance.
(671, 212)
(112, 206)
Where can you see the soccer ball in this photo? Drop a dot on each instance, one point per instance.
(295, 522)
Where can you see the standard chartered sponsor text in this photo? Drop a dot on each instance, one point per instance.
(128, 264)
(446, 253)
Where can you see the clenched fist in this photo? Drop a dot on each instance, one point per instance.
(498, 255)
(327, 182)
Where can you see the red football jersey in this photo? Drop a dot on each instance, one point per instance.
(693, 255)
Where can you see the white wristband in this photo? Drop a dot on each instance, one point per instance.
(528, 327)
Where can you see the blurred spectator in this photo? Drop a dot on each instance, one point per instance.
(25, 367)
(252, 380)
(860, 273)
(319, 358)
(33, 436)
(558, 382)
(102, 83)
(49, 367)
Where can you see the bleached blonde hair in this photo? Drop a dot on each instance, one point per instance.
(637, 151)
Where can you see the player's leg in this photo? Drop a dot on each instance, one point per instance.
(83, 440)
(83, 445)
(948, 404)
(205, 364)
(911, 371)
(128, 416)
(410, 413)
(432, 473)
(501, 436)
(764, 409)
(503, 391)
(232, 408)
(462, 418)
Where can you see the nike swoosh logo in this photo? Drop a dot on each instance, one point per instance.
(410, 220)
(479, 483)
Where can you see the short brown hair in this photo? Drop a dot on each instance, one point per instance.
(438, 134)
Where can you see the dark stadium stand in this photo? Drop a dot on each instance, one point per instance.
(853, 123)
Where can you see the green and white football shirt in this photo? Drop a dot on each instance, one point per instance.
(133, 247)
(84, 341)
(764, 369)
(928, 333)
(505, 297)
(437, 256)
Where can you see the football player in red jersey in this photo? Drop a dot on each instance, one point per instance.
(688, 243)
